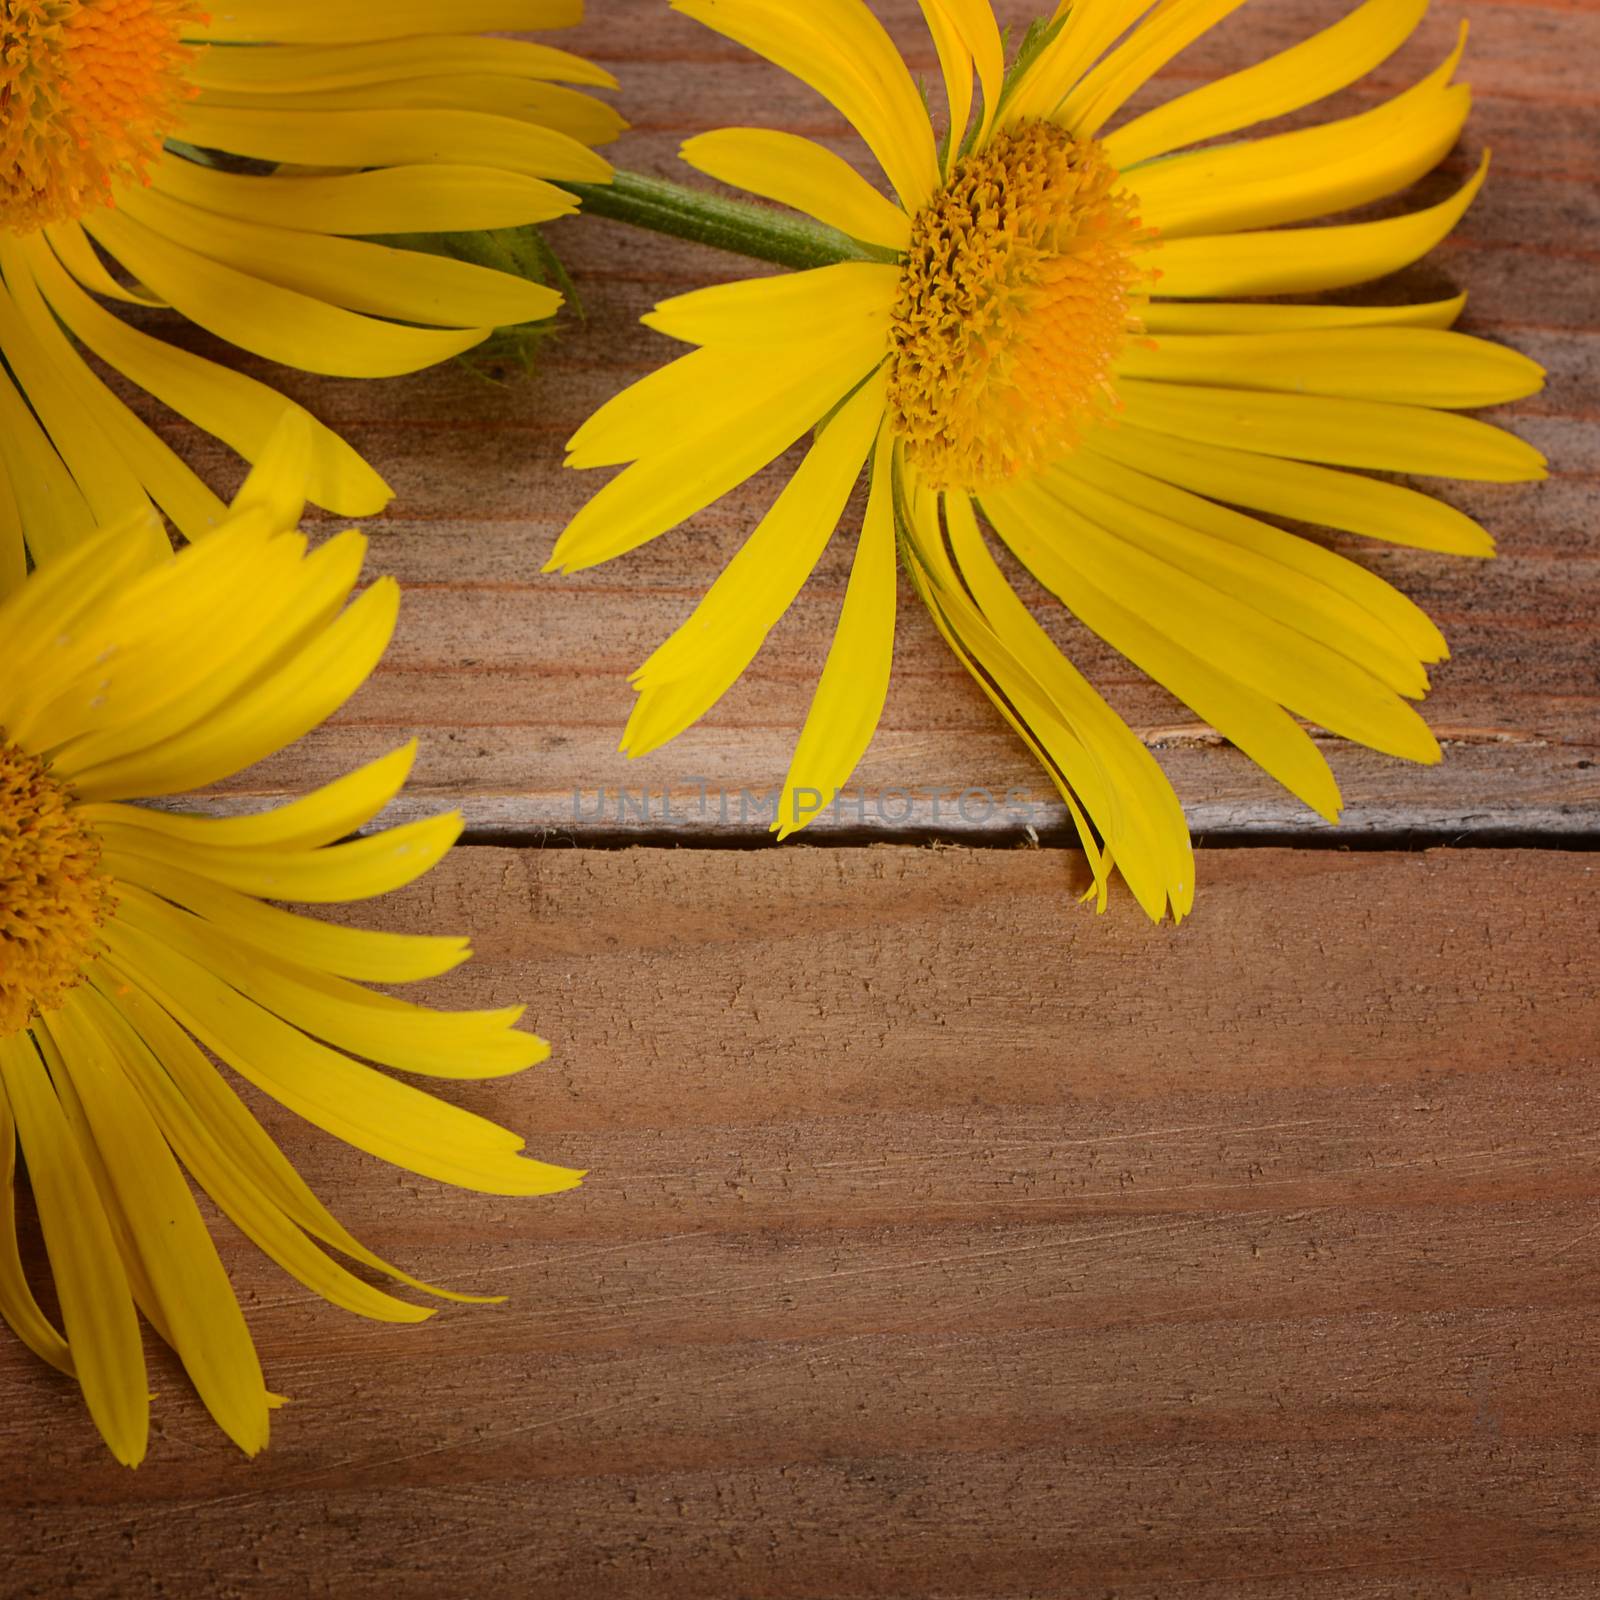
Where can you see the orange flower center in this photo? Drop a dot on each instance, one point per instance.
(1021, 286)
(53, 894)
(88, 91)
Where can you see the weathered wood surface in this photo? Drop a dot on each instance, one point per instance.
(519, 682)
(940, 1240)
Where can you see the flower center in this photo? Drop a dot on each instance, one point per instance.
(88, 90)
(53, 895)
(1022, 283)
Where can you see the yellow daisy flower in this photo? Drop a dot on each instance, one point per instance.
(219, 164)
(133, 941)
(1050, 337)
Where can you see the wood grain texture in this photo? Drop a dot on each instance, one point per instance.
(940, 1240)
(943, 1241)
(519, 683)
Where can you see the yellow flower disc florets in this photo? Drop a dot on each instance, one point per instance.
(88, 90)
(53, 895)
(1020, 288)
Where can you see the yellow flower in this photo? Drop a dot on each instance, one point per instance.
(222, 162)
(134, 940)
(1048, 329)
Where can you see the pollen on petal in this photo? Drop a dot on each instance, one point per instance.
(1023, 282)
(88, 91)
(53, 895)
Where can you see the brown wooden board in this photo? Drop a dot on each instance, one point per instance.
(518, 683)
(941, 1239)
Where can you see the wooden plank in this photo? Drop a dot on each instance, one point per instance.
(941, 1240)
(518, 683)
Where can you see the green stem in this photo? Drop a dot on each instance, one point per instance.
(734, 225)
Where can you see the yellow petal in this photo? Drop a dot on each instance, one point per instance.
(393, 138)
(1347, 595)
(697, 665)
(720, 386)
(13, 549)
(1346, 433)
(1302, 260)
(143, 699)
(1084, 33)
(71, 245)
(50, 506)
(96, 1306)
(35, 353)
(1297, 584)
(197, 1304)
(317, 818)
(277, 323)
(359, 869)
(855, 678)
(302, 694)
(701, 465)
(430, 198)
(17, 1304)
(800, 173)
(144, 1296)
(136, 449)
(1310, 172)
(848, 303)
(36, 618)
(955, 66)
(1226, 609)
(358, 1104)
(396, 60)
(543, 106)
(1023, 703)
(314, 22)
(1299, 490)
(376, 1027)
(407, 285)
(372, 956)
(1404, 366)
(1227, 316)
(244, 1201)
(841, 50)
(218, 1112)
(974, 24)
(1295, 77)
(239, 410)
(1252, 720)
(1170, 28)
(1139, 815)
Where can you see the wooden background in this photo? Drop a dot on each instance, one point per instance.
(943, 1239)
